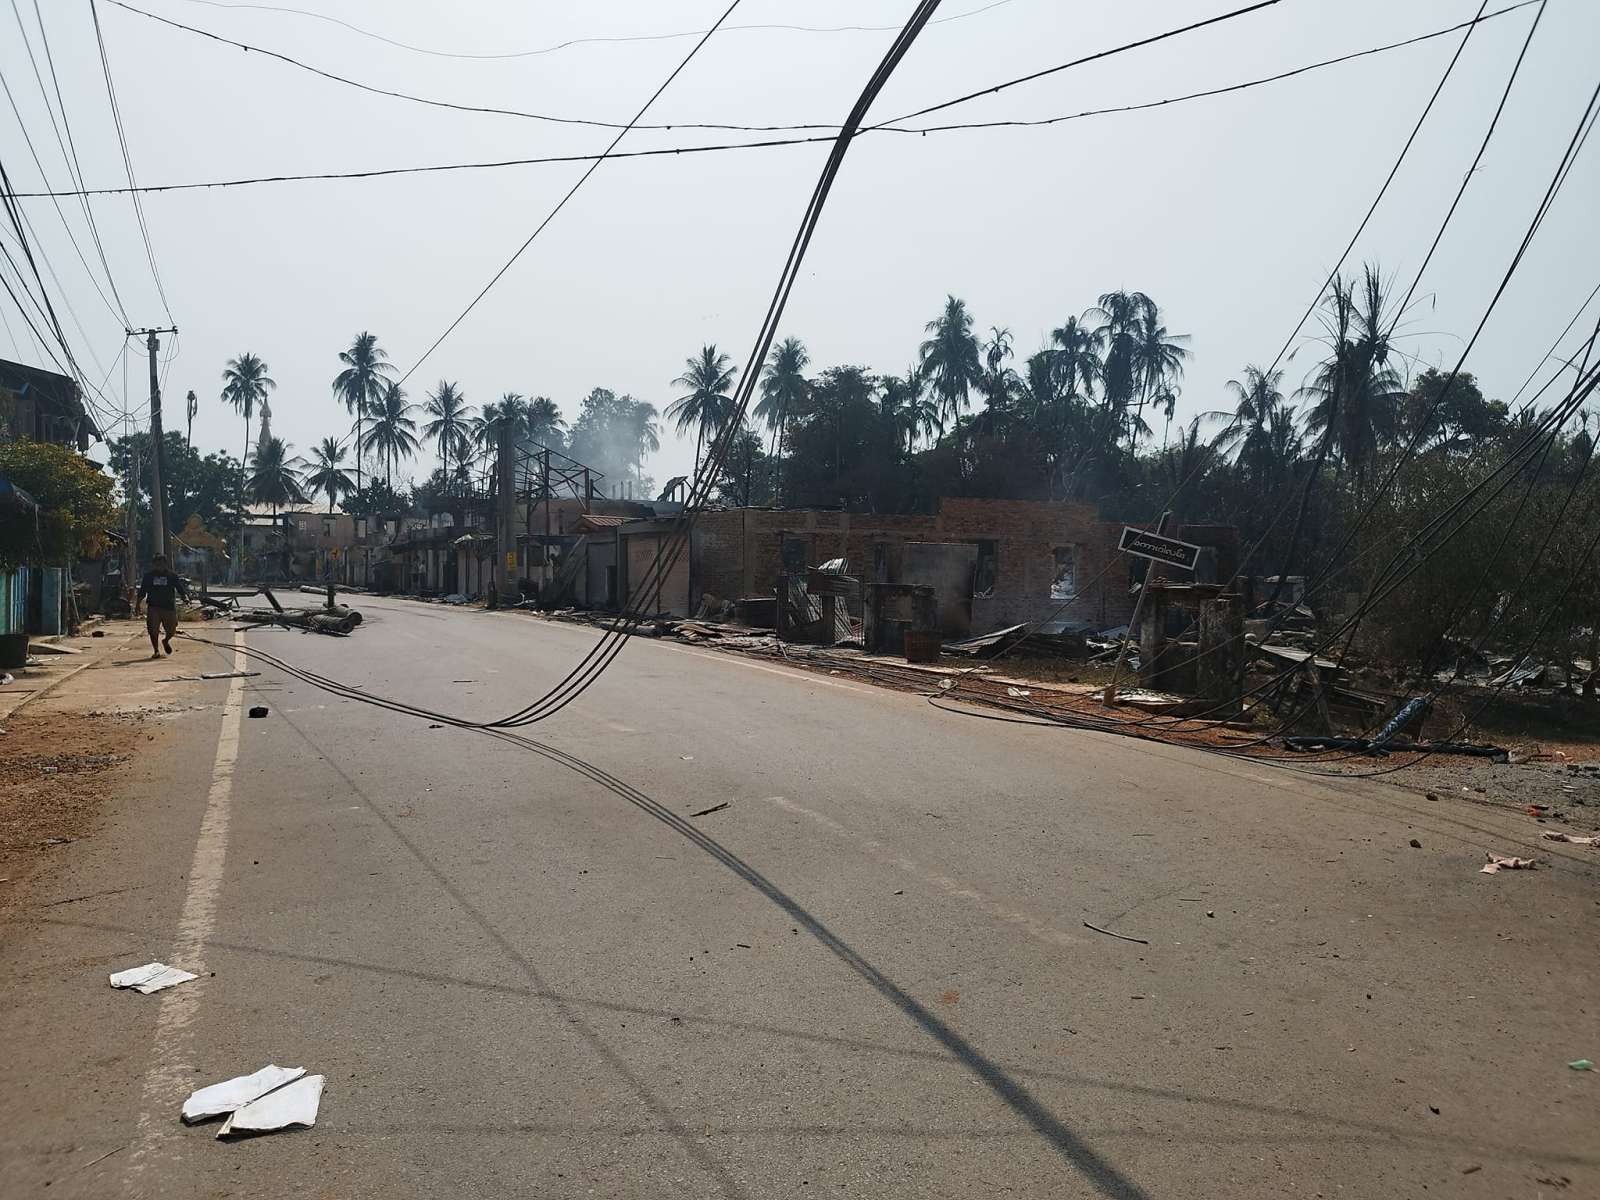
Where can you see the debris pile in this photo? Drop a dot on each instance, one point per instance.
(336, 622)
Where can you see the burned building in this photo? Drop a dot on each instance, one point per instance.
(991, 563)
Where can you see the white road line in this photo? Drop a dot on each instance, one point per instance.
(878, 852)
(171, 1077)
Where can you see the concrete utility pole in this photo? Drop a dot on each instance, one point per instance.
(158, 496)
(545, 573)
(506, 509)
(131, 571)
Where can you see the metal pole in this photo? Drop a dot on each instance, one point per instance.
(1110, 696)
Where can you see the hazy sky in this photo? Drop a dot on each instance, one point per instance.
(1228, 210)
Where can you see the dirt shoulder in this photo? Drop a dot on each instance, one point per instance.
(72, 725)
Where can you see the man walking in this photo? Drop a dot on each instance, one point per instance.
(162, 586)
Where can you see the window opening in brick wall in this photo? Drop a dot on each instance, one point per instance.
(792, 553)
(987, 571)
(1064, 584)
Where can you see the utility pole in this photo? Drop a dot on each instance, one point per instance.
(158, 496)
(546, 571)
(506, 509)
(131, 571)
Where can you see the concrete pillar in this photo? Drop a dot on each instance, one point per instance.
(1220, 666)
(1152, 632)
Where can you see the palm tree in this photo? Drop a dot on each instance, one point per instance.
(326, 472)
(1075, 360)
(273, 478)
(1183, 464)
(1248, 434)
(361, 384)
(245, 383)
(708, 406)
(639, 418)
(901, 400)
(949, 358)
(783, 386)
(1159, 356)
(1118, 334)
(507, 415)
(545, 424)
(191, 406)
(999, 381)
(393, 431)
(451, 427)
(1357, 393)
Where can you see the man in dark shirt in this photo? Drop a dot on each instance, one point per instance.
(162, 586)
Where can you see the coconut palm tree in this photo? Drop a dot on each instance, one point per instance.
(325, 472)
(1119, 317)
(1159, 357)
(639, 418)
(545, 424)
(1075, 360)
(949, 358)
(783, 386)
(393, 434)
(708, 406)
(1183, 465)
(361, 385)
(1248, 432)
(509, 414)
(245, 384)
(273, 478)
(999, 382)
(451, 427)
(1357, 394)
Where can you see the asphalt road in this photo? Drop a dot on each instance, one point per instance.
(867, 975)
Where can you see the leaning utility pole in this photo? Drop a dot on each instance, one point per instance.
(158, 495)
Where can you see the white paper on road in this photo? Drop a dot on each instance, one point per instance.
(221, 1098)
(151, 977)
(286, 1108)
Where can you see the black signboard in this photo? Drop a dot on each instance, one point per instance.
(1162, 549)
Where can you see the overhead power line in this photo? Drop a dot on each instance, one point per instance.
(717, 126)
(69, 151)
(572, 191)
(127, 161)
(594, 41)
(117, 311)
(672, 151)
